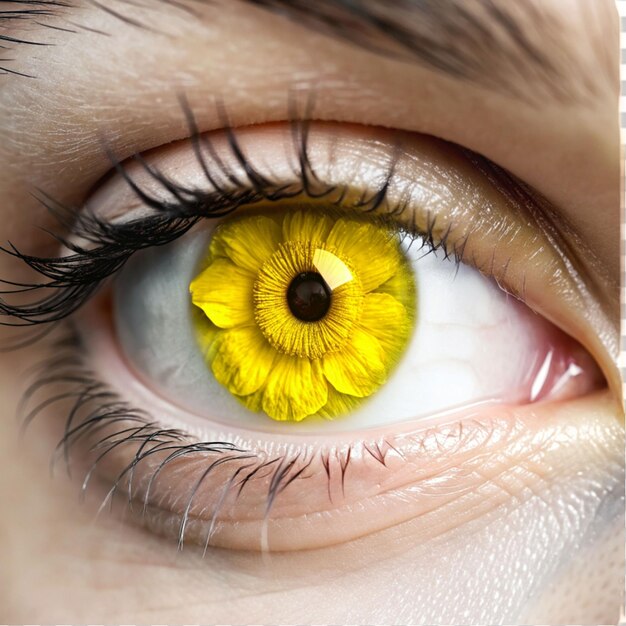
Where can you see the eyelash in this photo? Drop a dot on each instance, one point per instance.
(95, 406)
(76, 277)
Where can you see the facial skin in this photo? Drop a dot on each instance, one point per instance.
(536, 535)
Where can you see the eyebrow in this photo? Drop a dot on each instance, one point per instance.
(513, 48)
(506, 46)
(21, 13)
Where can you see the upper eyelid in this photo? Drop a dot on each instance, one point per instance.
(483, 208)
(187, 203)
(391, 189)
(252, 186)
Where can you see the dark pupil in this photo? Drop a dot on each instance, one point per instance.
(308, 297)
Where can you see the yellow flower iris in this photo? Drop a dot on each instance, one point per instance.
(303, 314)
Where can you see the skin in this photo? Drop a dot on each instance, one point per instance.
(541, 503)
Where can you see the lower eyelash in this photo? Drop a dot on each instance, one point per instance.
(98, 415)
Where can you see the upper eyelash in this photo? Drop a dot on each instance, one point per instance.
(74, 278)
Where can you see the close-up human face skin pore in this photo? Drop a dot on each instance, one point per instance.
(310, 312)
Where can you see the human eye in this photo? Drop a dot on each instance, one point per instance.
(205, 335)
(383, 289)
(341, 331)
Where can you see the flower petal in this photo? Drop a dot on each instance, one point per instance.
(371, 250)
(402, 287)
(243, 359)
(295, 389)
(338, 404)
(247, 242)
(206, 333)
(253, 402)
(224, 292)
(358, 368)
(307, 226)
(386, 319)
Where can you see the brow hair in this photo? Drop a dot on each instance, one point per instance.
(22, 11)
(514, 48)
(504, 45)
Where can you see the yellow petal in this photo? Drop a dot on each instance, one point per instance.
(338, 404)
(358, 368)
(243, 359)
(402, 287)
(224, 292)
(370, 249)
(206, 333)
(295, 389)
(253, 402)
(247, 242)
(307, 226)
(387, 320)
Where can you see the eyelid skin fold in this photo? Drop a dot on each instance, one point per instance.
(249, 490)
(474, 209)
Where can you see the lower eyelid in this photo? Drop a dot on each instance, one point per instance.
(457, 471)
(323, 489)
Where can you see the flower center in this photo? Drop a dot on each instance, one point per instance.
(308, 297)
(304, 314)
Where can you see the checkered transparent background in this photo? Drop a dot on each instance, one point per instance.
(621, 7)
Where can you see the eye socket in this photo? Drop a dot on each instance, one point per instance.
(188, 451)
(413, 333)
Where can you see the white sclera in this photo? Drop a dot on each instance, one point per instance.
(471, 343)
